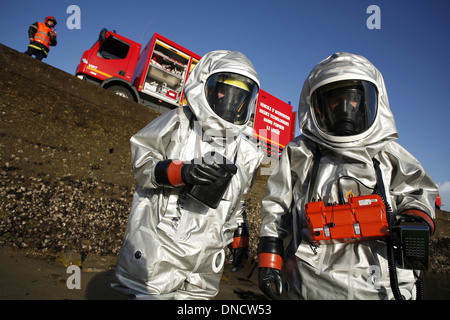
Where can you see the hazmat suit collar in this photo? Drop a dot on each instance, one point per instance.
(215, 62)
(346, 66)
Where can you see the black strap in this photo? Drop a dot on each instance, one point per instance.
(312, 182)
(317, 155)
(382, 191)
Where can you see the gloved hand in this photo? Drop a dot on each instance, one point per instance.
(239, 247)
(176, 173)
(268, 278)
(194, 174)
(270, 260)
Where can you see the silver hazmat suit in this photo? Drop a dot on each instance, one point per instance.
(346, 270)
(173, 246)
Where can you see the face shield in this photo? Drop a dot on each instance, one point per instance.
(345, 108)
(231, 96)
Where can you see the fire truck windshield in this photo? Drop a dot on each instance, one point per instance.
(113, 48)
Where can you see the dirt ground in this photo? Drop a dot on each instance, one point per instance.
(66, 183)
(28, 275)
(66, 186)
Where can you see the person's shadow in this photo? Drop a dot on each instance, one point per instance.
(99, 288)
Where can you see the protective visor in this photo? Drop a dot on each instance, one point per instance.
(345, 108)
(231, 96)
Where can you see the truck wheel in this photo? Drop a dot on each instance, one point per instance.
(121, 91)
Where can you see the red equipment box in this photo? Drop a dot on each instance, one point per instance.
(363, 218)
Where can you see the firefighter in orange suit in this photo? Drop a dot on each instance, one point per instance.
(438, 202)
(42, 36)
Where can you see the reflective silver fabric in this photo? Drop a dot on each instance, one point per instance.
(174, 246)
(348, 270)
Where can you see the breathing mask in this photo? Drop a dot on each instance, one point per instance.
(345, 108)
(231, 96)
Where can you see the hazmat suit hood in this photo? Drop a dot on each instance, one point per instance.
(345, 66)
(195, 89)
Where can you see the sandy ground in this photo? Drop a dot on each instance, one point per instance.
(29, 276)
(26, 276)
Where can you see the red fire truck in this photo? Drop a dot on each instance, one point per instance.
(156, 77)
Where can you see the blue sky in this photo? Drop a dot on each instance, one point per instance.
(284, 39)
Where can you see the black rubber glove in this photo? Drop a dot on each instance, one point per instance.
(175, 173)
(195, 174)
(270, 252)
(268, 278)
(239, 247)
